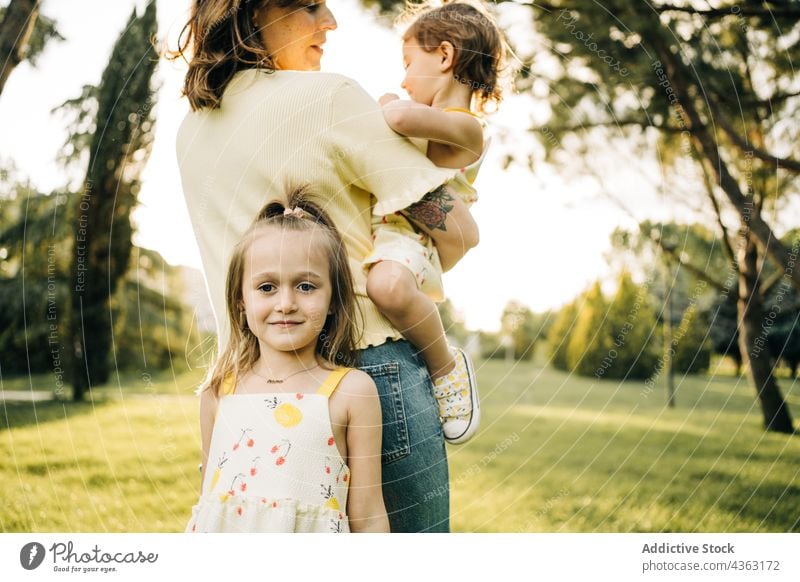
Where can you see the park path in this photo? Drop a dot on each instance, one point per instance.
(25, 396)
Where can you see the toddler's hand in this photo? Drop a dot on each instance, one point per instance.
(387, 98)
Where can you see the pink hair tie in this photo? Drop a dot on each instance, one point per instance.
(296, 212)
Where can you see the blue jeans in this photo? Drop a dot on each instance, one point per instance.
(415, 476)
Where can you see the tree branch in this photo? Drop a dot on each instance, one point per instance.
(610, 123)
(16, 27)
(722, 12)
(708, 149)
(767, 285)
(742, 144)
(727, 248)
(699, 273)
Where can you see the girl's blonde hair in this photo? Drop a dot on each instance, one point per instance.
(223, 39)
(338, 340)
(480, 47)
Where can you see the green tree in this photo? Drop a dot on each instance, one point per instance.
(153, 328)
(452, 322)
(559, 335)
(782, 308)
(632, 327)
(724, 330)
(520, 324)
(692, 345)
(490, 346)
(23, 34)
(679, 73)
(590, 342)
(34, 282)
(121, 136)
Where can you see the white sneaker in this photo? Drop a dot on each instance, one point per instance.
(457, 396)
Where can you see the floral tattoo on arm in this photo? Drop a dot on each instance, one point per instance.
(432, 209)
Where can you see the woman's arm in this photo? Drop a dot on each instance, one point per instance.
(365, 508)
(445, 217)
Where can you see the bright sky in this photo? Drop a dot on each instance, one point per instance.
(542, 242)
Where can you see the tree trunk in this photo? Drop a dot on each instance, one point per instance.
(753, 340)
(15, 31)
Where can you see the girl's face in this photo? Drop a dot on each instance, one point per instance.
(286, 289)
(294, 35)
(426, 72)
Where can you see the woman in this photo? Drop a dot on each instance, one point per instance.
(263, 116)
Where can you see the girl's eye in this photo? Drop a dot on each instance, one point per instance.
(266, 287)
(307, 287)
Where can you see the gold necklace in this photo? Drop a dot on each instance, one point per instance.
(280, 381)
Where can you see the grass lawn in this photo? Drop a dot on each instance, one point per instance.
(555, 453)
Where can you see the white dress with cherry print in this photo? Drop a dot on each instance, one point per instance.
(273, 464)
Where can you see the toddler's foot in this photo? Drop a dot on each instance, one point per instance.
(456, 394)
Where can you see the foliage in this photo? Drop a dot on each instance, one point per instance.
(724, 331)
(692, 346)
(520, 324)
(559, 335)
(152, 326)
(44, 31)
(121, 138)
(591, 341)
(452, 322)
(633, 332)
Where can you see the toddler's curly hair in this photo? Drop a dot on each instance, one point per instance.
(480, 47)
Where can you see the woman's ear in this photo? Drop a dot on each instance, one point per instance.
(447, 55)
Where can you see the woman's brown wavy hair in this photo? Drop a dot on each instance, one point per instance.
(338, 340)
(480, 48)
(221, 39)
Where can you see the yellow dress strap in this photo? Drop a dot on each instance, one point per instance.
(332, 381)
(461, 110)
(228, 385)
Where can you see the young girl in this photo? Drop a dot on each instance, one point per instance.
(296, 439)
(452, 55)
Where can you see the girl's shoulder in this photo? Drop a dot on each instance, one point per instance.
(356, 383)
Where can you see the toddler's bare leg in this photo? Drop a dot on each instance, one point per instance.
(393, 289)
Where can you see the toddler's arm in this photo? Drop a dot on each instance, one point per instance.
(449, 128)
(365, 508)
(447, 220)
